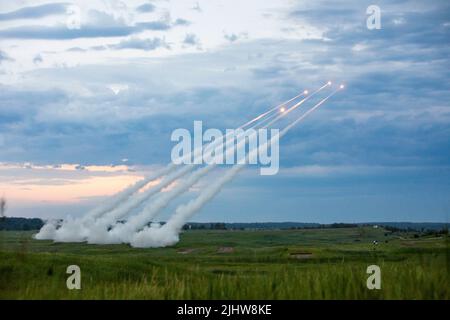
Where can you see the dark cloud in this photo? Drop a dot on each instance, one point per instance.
(141, 44)
(85, 31)
(181, 22)
(76, 49)
(191, 39)
(100, 25)
(35, 12)
(146, 7)
(231, 37)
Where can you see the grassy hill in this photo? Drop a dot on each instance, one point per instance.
(224, 264)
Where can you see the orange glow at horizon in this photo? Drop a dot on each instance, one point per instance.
(63, 183)
(72, 191)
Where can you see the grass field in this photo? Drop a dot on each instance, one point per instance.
(279, 264)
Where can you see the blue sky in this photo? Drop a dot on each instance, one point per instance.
(74, 101)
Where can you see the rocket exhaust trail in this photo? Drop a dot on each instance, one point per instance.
(298, 104)
(287, 111)
(80, 230)
(210, 145)
(123, 202)
(287, 128)
(96, 232)
(213, 144)
(261, 116)
(110, 218)
(273, 109)
(170, 166)
(124, 194)
(278, 116)
(121, 232)
(49, 231)
(168, 233)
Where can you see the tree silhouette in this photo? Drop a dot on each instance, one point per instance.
(2, 207)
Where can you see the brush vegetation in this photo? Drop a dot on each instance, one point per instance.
(220, 264)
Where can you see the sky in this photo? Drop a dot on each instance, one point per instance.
(90, 92)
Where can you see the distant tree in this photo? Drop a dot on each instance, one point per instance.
(219, 226)
(2, 207)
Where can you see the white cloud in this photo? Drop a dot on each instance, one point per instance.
(216, 19)
(359, 47)
(118, 87)
(399, 21)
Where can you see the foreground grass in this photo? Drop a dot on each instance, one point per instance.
(297, 264)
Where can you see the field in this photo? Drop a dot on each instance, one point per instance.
(210, 264)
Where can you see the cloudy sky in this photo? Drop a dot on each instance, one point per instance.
(90, 92)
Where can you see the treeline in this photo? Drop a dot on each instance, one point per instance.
(20, 224)
(339, 225)
(203, 226)
(420, 232)
(10, 223)
(410, 226)
(264, 226)
(423, 228)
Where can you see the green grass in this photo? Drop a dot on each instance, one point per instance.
(262, 265)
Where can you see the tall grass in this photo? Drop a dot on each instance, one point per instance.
(249, 273)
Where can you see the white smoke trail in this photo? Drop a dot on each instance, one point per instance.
(283, 114)
(93, 226)
(74, 230)
(161, 236)
(273, 109)
(271, 113)
(126, 193)
(123, 232)
(158, 236)
(287, 128)
(48, 231)
(92, 230)
(78, 230)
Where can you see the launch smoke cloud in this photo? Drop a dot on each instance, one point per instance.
(129, 216)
